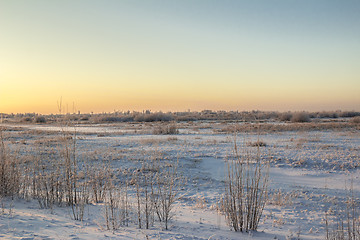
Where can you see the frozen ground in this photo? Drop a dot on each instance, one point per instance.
(308, 174)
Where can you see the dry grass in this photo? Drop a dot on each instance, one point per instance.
(257, 143)
(271, 127)
(10, 171)
(280, 198)
(347, 224)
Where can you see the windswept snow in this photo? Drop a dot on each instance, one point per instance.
(309, 174)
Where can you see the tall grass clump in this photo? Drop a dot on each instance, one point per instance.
(157, 186)
(57, 181)
(116, 205)
(144, 184)
(47, 182)
(10, 175)
(167, 191)
(76, 191)
(167, 129)
(246, 191)
(347, 225)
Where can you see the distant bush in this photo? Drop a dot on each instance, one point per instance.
(139, 118)
(27, 119)
(84, 118)
(257, 144)
(285, 116)
(328, 115)
(112, 119)
(312, 115)
(266, 115)
(349, 114)
(167, 129)
(300, 117)
(153, 117)
(187, 118)
(40, 119)
(71, 117)
(355, 119)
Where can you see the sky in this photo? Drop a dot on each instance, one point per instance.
(104, 56)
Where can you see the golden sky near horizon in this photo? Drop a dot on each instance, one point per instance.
(168, 55)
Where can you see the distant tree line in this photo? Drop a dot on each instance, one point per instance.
(148, 116)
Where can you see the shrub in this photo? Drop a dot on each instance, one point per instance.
(300, 117)
(40, 119)
(328, 115)
(165, 130)
(27, 119)
(153, 117)
(113, 119)
(245, 192)
(349, 114)
(84, 118)
(71, 117)
(285, 116)
(110, 119)
(257, 144)
(167, 191)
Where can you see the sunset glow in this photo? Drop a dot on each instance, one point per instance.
(177, 55)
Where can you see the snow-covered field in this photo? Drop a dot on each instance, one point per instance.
(309, 173)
